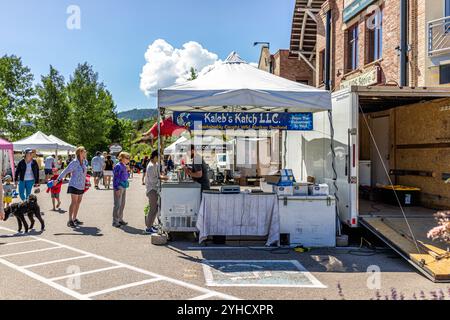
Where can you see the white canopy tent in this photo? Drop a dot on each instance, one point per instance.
(39, 141)
(62, 145)
(183, 144)
(172, 149)
(236, 83)
(236, 86)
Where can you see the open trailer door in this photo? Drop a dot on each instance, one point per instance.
(429, 257)
(345, 125)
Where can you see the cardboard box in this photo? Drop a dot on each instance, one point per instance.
(284, 178)
(273, 179)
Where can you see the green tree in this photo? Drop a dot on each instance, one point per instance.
(53, 106)
(92, 107)
(17, 98)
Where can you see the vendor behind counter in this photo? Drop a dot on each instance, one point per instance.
(199, 170)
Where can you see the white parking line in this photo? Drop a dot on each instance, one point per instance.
(125, 286)
(27, 252)
(54, 261)
(20, 242)
(203, 297)
(85, 273)
(123, 265)
(44, 280)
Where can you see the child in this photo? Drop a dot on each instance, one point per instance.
(8, 189)
(55, 189)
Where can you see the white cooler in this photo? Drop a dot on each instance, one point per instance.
(310, 221)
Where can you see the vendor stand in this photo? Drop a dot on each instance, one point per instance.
(235, 95)
(6, 158)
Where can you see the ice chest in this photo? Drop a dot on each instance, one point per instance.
(319, 190)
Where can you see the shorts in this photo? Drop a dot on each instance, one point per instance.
(97, 174)
(108, 173)
(48, 171)
(76, 191)
(55, 195)
(7, 200)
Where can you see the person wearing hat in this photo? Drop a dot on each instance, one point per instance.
(8, 189)
(27, 175)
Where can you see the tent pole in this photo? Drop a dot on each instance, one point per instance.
(159, 144)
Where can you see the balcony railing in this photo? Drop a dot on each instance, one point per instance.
(439, 36)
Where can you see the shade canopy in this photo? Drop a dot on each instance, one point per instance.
(236, 83)
(38, 140)
(6, 156)
(6, 145)
(167, 129)
(62, 145)
(172, 149)
(205, 143)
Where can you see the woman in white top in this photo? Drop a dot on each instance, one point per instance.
(27, 175)
(152, 177)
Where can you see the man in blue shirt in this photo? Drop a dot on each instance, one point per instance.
(97, 164)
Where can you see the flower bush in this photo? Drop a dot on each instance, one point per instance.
(442, 231)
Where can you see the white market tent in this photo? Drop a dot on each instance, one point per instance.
(183, 144)
(236, 83)
(39, 141)
(62, 145)
(172, 149)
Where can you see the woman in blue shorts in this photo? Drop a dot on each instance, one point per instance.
(77, 184)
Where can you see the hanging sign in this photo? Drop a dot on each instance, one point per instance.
(355, 7)
(245, 120)
(115, 148)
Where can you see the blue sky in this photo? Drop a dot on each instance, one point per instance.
(115, 35)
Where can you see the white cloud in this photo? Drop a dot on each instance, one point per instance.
(166, 65)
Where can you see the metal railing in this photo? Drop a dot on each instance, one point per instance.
(439, 36)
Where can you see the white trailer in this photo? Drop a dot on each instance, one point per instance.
(309, 154)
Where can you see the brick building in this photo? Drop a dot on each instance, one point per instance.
(369, 49)
(286, 66)
(366, 42)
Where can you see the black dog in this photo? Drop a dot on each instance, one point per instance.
(28, 208)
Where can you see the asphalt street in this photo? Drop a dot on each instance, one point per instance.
(98, 261)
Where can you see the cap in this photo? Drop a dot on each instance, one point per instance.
(8, 178)
(28, 150)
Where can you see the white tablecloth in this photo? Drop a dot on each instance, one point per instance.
(239, 215)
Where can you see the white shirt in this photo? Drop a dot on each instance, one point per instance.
(49, 161)
(29, 172)
(152, 176)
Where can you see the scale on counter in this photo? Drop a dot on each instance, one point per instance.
(229, 189)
